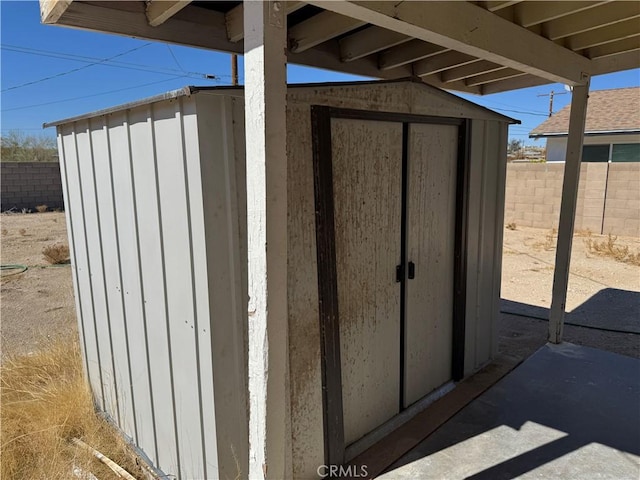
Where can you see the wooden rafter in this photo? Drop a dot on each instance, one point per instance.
(52, 10)
(369, 41)
(441, 62)
(494, 6)
(494, 76)
(320, 28)
(600, 36)
(591, 19)
(409, 52)
(475, 32)
(159, 11)
(476, 68)
(528, 14)
(614, 48)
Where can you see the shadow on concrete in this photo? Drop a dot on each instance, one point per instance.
(567, 412)
(609, 309)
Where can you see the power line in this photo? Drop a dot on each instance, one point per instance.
(512, 106)
(174, 57)
(109, 63)
(76, 69)
(522, 112)
(91, 95)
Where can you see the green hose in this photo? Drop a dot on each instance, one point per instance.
(23, 268)
(16, 266)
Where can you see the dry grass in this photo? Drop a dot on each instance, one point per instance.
(45, 404)
(511, 226)
(41, 208)
(56, 254)
(550, 241)
(608, 248)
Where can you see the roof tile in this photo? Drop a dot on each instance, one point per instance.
(607, 110)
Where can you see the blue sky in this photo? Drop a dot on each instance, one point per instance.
(50, 72)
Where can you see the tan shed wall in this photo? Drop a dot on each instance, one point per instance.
(488, 160)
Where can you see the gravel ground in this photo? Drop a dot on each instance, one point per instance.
(38, 303)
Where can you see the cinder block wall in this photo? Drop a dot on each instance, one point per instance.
(622, 209)
(608, 196)
(26, 185)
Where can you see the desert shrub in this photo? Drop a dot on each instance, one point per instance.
(56, 254)
(609, 248)
(41, 208)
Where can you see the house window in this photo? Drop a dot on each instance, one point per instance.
(626, 152)
(595, 153)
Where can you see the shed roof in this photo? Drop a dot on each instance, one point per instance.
(608, 111)
(191, 90)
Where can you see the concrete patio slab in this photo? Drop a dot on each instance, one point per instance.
(568, 412)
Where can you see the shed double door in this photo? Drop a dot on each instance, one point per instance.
(394, 218)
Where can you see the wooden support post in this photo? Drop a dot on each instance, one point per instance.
(568, 210)
(265, 120)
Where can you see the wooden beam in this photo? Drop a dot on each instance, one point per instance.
(266, 177)
(614, 48)
(319, 29)
(235, 23)
(616, 63)
(600, 66)
(193, 26)
(596, 17)
(409, 52)
(459, 86)
(441, 62)
(327, 56)
(494, 76)
(369, 41)
(159, 11)
(513, 83)
(573, 159)
(605, 35)
(471, 69)
(52, 10)
(475, 32)
(494, 6)
(600, 36)
(528, 14)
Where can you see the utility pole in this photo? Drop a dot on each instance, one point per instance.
(550, 95)
(234, 69)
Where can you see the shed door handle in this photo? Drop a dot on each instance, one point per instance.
(412, 270)
(399, 273)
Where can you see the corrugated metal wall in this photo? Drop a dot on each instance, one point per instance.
(151, 272)
(484, 245)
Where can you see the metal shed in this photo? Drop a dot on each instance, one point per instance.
(394, 235)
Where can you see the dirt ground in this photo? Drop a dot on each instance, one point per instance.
(527, 278)
(39, 303)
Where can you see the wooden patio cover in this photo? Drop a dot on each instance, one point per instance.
(479, 47)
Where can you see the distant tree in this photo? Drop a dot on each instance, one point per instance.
(15, 146)
(515, 145)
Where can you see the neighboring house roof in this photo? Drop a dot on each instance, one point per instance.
(608, 111)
